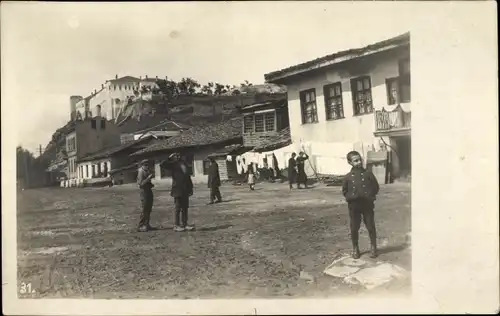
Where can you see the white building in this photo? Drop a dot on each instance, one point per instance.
(357, 99)
(112, 95)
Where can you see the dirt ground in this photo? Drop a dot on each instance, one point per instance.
(79, 243)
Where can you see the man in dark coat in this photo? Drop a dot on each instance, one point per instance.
(214, 182)
(292, 170)
(182, 189)
(144, 176)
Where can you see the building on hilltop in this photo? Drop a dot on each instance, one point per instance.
(110, 98)
(358, 99)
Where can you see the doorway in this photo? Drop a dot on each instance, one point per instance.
(403, 145)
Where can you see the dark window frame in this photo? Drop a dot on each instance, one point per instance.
(262, 126)
(330, 109)
(394, 83)
(266, 121)
(248, 125)
(93, 124)
(103, 124)
(362, 99)
(250, 122)
(304, 104)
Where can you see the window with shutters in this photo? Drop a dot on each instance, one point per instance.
(333, 101)
(362, 95)
(308, 106)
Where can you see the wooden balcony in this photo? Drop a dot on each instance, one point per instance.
(387, 122)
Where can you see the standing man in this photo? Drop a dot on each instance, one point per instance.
(214, 181)
(292, 170)
(144, 176)
(182, 189)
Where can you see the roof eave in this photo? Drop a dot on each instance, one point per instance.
(281, 76)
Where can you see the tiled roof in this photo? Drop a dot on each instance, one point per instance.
(281, 140)
(133, 125)
(199, 136)
(149, 79)
(134, 165)
(274, 104)
(237, 149)
(403, 39)
(106, 152)
(125, 79)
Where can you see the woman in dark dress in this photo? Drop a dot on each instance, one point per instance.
(292, 170)
(302, 177)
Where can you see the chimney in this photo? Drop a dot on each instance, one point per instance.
(146, 76)
(156, 77)
(95, 91)
(102, 86)
(140, 77)
(116, 76)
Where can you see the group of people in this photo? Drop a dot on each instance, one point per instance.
(359, 187)
(296, 170)
(181, 190)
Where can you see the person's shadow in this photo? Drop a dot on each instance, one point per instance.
(389, 249)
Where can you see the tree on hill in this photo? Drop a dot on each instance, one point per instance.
(208, 89)
(220, 89)
(188, 86)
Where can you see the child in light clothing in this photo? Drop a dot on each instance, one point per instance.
(251, 176)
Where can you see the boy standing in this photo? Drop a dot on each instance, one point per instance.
(360, 188)
(144, 177)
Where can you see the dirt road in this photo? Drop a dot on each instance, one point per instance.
(83, 243)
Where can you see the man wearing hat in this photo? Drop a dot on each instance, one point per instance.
(182, 189)
(144, 177)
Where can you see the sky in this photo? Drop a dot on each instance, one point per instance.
(51, 51)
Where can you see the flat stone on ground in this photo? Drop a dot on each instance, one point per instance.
(353, 262)
(341, 271)
(376, 276)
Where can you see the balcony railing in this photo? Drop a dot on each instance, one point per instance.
(397, 119)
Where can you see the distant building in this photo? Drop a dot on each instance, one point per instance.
(85, 137)
(358, 99)
(196, 145)
(266, 129)
(110, 97)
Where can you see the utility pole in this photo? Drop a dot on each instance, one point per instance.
(40, 150)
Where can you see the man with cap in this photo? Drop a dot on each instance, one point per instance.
(182, 189)
(144, 176)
